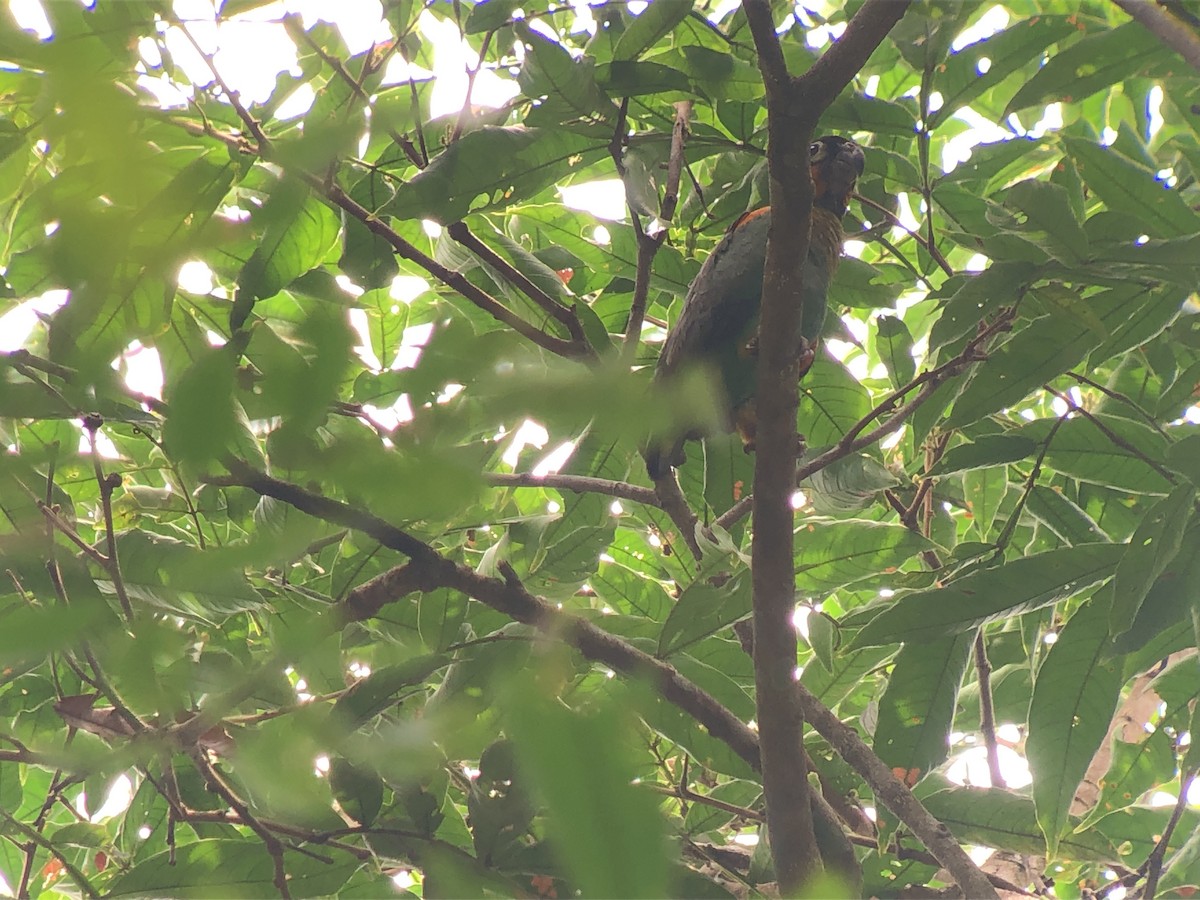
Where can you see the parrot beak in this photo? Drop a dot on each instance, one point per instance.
(845, 168)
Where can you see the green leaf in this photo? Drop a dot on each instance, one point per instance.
(981, 295)
(847, 485)
(1070, 523)
(228, 868)
(961, 81)
(984, 451)
(998, 818)
(647, 29)
(917, 708)
(1110, 451)
(490, 15)
(1043, 214)
(300, 231)
(567, 83)
(703, 610)
(372, 695)
(832, 686)
(624, 78)
(1092, 63)
(1135, 769)
(1027, 360)
(985, 595)
(358, 792)
(493, 167)
(984, 491)
(1132, 189)
(586, 780)
(1074, 696)
(831, 554)
(894, 344)
(1151, 549)
(831, 402)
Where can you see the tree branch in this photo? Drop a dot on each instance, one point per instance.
(580, 484)
(892, 793)
(1171, 31)
(571, 349)
(428, 570)
(793, 107)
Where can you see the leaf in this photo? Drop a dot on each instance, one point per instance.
(1044, 216)
(847, 485)
(567, 83)
(961, 80)
(1046, 348)
(228, 868)
(831, 402)
(1135, 769)
(984, 490)
(493, 167)
(981, 295)
(998, 818)
(832, 686)
(1109, 451)
(358, 792)
(894, 344)
(300, 231)
(369, 697)
(984, 451)
(858, 285)
(831, 554)
(703, 610)
(917, 708)
(586, 780)
(624, 78)
(647, 29)
(171, 576)
(490, 15)
(1132, 190)
(1092, 63)
(1064, 518)
(985, 595)
(1074, 696)
(1153, 546)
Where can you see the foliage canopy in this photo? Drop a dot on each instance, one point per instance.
(319, 601)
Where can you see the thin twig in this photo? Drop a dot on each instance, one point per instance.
(581, 484)
(449, 277)
(1112, 435)
(648, 245)
(853, 440)
(108, 484)
(895, 222)
(274, 847)
(1154, 863)
(429, 570)
(1122, 398)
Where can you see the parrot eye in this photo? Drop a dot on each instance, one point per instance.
(814, 149)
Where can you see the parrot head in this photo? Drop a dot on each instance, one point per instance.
(836, 164)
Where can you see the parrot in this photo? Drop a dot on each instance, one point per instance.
(718, 326)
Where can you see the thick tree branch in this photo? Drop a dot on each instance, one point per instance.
(1170, 30)
(794, 106)
(895, 796)
(428, 570)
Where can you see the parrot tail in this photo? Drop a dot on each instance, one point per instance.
(661, 458)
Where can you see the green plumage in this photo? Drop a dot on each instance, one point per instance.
(718, 327)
